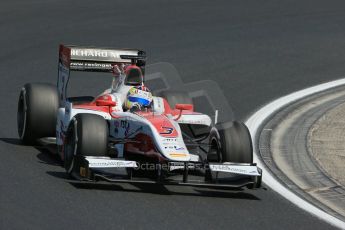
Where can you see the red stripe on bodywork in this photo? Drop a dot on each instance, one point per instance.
(104, 109)
(161, 123)
(176, 112)
(94, 107)
(144, 145)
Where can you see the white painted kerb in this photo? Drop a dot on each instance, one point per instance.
(256, 120)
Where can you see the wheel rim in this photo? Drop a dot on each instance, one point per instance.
(215, 150)
(21, 116)
(70, 150)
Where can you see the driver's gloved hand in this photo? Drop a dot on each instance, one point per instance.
(135, 108)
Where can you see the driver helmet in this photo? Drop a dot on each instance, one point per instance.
(138, 97)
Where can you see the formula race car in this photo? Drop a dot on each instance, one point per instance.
(161, 142)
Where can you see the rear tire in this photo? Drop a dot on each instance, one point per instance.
(87, 135)
(37, 111)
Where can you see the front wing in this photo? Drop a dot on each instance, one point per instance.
(197, 174)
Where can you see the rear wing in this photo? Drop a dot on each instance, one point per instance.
(92, 59)
(97, 59)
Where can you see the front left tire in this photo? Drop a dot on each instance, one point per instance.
(87, 135)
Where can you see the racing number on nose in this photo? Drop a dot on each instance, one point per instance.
(167, 130)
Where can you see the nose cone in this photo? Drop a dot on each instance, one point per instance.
(168, 137)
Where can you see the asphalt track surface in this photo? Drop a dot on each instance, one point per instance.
(256, 51)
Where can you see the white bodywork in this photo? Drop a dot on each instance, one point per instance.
(127, 124)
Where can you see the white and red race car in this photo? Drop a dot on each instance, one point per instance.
(168, 143)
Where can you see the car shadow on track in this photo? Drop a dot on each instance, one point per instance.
(164, 190)
(13, 141)
(46, 157)
(45, 154)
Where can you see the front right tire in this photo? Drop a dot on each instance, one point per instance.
(231, 142)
